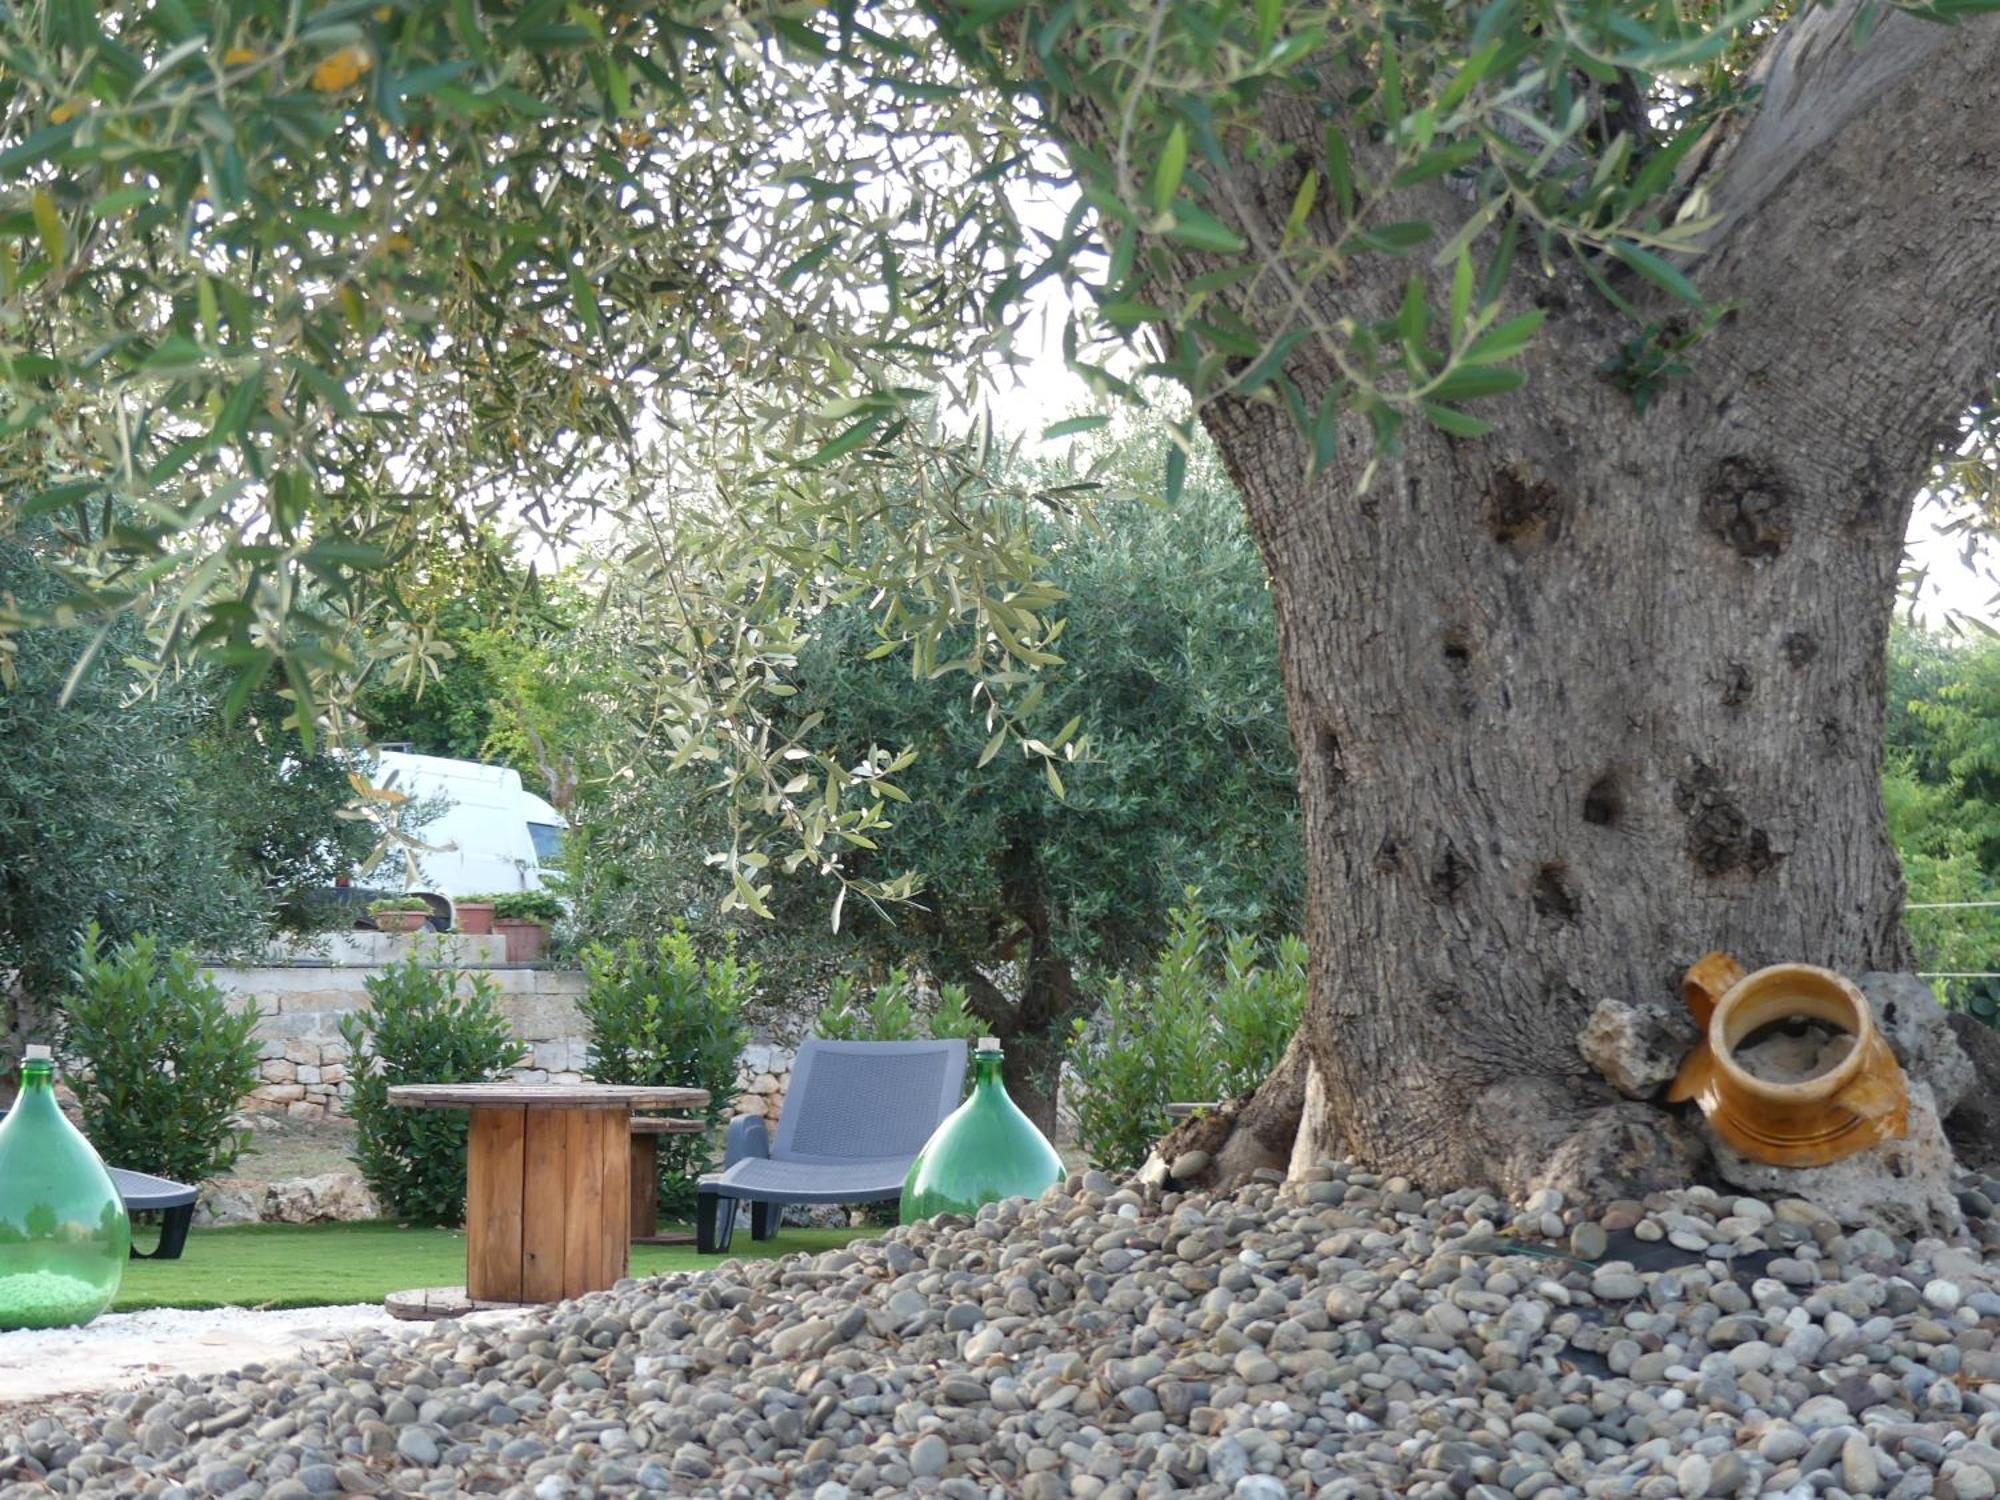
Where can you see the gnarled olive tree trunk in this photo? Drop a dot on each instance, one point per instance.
(1582, 699)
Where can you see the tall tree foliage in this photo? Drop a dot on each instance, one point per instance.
(131, 803)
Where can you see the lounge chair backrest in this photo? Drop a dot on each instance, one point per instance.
(865, 1099)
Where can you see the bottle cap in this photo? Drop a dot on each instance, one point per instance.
(37, 1052)
(989, 1044)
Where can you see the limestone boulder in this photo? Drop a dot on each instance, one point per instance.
(1920, 1033)
(225, 1205)
(328, 1198)
(1637, 1048)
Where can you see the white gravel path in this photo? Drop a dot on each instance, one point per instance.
(124, 1349)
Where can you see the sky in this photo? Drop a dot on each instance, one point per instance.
(1953, 584)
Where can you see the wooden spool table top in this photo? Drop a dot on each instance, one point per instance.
(510, 1095)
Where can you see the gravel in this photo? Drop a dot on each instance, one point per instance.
(1285, 1342)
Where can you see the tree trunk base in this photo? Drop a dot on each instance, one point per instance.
(1259, 1131)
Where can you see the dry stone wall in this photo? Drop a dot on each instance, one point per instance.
(303, 994)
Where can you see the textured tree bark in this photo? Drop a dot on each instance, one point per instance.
(1583, 699)
(1032, 1029)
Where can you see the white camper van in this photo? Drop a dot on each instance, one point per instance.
(492, 834)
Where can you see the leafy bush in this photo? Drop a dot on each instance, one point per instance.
(1202, 1025)
(160, 1058)
(398, 903)
(889, 1014)
(662, 1014)
(421, 1025)
(527, 906)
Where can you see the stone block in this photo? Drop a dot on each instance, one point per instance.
(302, 1050)
(305, 1109)
(279, 1093)
(308, 1074)
(278, 1072)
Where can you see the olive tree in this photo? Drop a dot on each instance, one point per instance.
(1576, 364)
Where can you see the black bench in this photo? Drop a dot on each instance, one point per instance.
(172, 1201)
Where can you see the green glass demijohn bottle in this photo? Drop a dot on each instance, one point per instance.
(985, 1150)
(64, 1234)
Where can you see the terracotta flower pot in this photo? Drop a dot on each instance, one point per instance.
(399, 921)
(1858, 1101)
(475, 918)
(526, 941)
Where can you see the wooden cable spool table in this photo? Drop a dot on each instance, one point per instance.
(548, 1181)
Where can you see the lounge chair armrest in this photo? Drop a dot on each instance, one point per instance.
(748, 1140)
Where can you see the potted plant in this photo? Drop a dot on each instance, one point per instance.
(524, 919)
(399, 913)
(475, 914)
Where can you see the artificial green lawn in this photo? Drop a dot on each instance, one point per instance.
(319, 1265)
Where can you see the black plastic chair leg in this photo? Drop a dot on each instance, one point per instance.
(714, 1223)
(174, 1224)
(765, 1219)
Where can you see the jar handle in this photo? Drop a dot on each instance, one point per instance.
(1708, 979)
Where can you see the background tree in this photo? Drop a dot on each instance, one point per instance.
(133, 804)
(1942, 795)
(1033, 876)
(1582, 573)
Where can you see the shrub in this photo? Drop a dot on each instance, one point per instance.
(161, 1058)
(889, 1014)
(1195, 1028)
(527, 906)
(421, 1025)
(398, 903)
(661, 1014)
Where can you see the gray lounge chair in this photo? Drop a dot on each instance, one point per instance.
(855, 1116)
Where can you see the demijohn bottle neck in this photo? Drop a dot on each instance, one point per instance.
(37, 1093)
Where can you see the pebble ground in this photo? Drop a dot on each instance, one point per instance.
(1343, 1338)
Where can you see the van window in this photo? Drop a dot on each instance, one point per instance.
(548, 842)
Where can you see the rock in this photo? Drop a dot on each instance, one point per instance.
(1588, 1240)
(928, 1455)
(1859, 1473)
(416, 1446)
(1637, 1048)
(224, 1205)
(1616, 1283)
(1920, 1033)
(1974, 1126)
(1227, 1461)
(1189, 1165)
(330, 1197)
